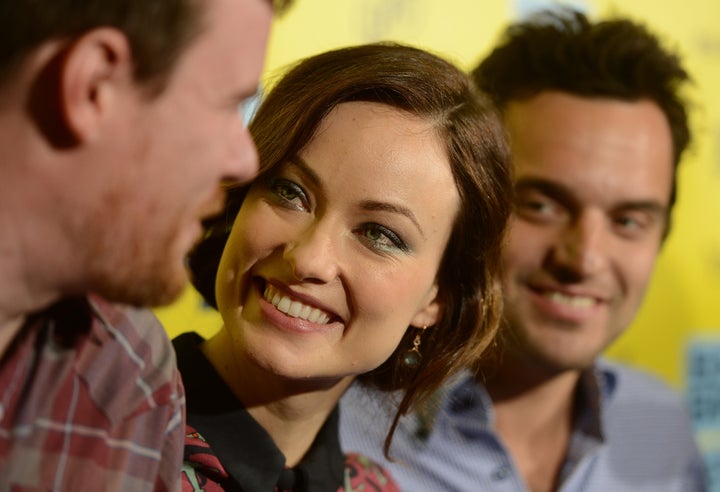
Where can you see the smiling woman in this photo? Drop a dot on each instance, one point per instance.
(367, 248)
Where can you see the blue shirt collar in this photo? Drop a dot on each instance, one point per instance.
(468, 405)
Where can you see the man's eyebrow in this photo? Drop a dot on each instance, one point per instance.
(564, 194)
(550, 188)
(650, 206)
(370, 205)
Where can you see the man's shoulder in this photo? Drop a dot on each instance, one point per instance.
(367, 414)
(647, 429)
(643, 407)
(623, 383)
(134, 332)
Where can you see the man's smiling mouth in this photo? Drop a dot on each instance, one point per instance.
(574, 301)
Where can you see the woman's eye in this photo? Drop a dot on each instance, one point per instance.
(289, 194)
(382, 239)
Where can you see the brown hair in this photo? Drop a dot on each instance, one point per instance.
(427, 86)
(158, 30)
(562, 50)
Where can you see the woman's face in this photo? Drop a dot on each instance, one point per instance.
(334, 255)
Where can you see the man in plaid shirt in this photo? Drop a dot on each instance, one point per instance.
(118, 122)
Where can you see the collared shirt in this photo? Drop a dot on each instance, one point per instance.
(632, 434)
(90, 399)
(226, 449)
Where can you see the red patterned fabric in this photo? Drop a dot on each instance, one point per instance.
(203, 472)
(362, 474)
(90, 399)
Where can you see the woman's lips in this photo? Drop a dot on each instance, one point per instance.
(293, 307)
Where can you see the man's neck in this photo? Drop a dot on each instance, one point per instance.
(19, 297)
(35, 257)
(8, 329)
(538, 408)
(24, 289)
(534, 418)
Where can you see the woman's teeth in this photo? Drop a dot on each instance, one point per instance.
(295, 309)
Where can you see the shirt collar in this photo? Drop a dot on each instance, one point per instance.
(67, 321)
(470, 408)
(596, 388)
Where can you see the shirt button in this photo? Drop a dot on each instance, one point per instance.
(462, 404)
(501, 473)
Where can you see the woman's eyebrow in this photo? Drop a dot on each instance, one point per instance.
(311, 175)
(393, 208)
(371, 205)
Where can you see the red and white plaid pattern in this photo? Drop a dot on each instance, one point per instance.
(101, 412)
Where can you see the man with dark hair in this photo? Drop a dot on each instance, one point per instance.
(118, 122)
(597, 127)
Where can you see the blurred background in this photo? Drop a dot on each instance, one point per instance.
(677, 334)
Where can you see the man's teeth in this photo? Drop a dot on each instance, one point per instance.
(294, 308)
(572, 301)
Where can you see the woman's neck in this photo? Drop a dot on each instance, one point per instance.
(291, 411)
(293, 422)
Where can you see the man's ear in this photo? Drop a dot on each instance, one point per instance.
(430, 313)
(95, 71)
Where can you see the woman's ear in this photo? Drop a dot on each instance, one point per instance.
(431, 310)
(96, 68)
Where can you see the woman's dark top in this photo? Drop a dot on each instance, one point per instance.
(226, 449)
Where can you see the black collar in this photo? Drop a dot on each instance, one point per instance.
(247, 452)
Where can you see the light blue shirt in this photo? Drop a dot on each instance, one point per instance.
(632, 434)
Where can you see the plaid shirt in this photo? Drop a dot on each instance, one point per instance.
(90, 400)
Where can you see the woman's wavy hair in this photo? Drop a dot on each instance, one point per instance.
(427, 86)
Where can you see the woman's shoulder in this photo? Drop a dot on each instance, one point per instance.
(362, 471)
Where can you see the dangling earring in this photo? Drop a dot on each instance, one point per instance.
(412, 357)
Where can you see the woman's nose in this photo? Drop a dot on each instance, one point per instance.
(313, 255)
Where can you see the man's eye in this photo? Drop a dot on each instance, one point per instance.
(627, 222)
(535, 207)
(634, 224)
